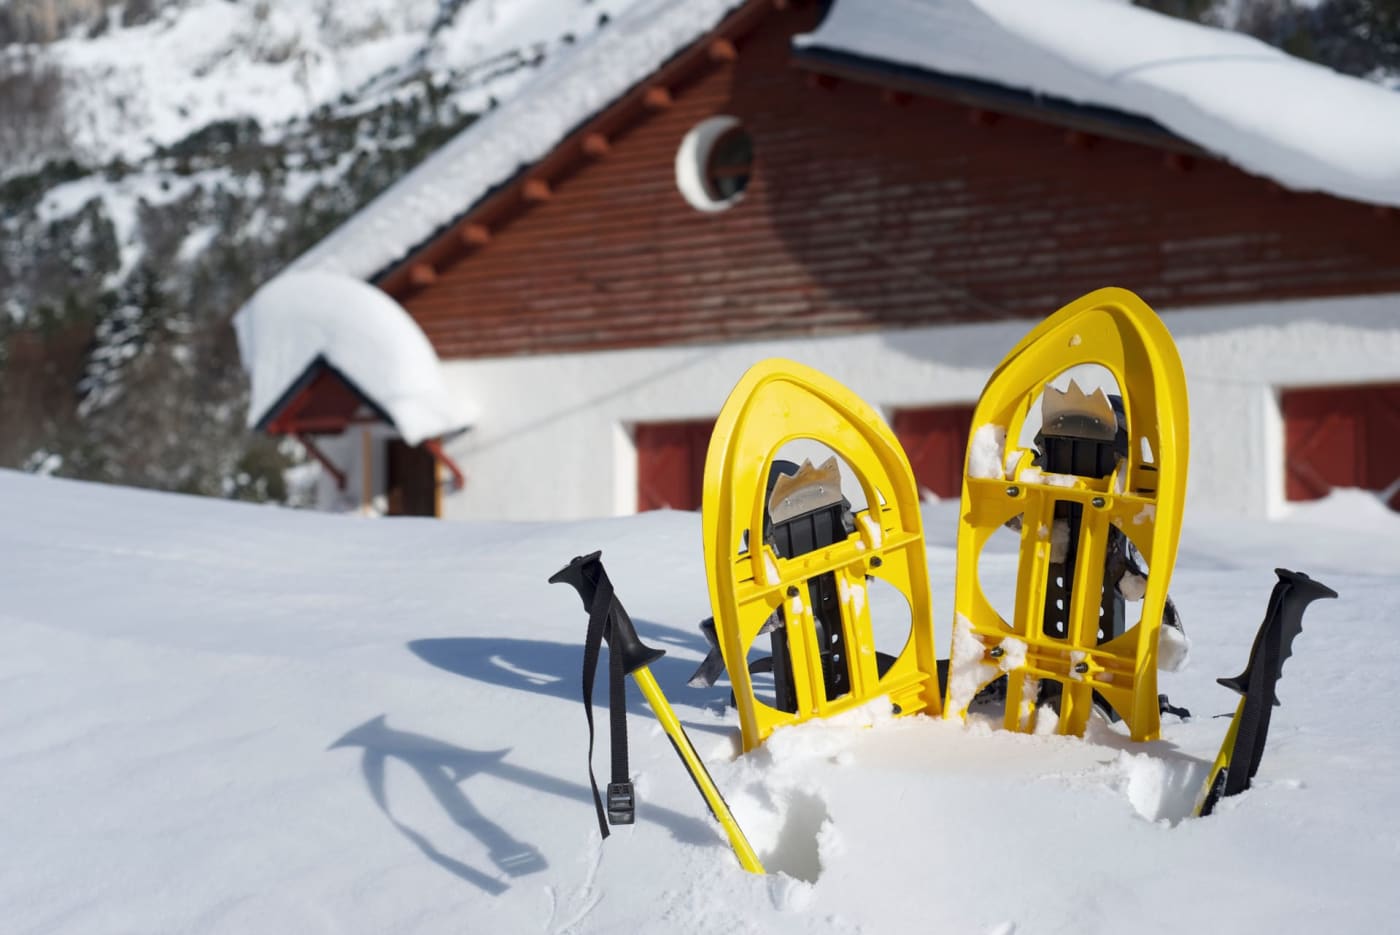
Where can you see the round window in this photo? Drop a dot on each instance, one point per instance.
(714, 163)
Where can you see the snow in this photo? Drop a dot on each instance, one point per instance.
(986, 451)
(130, 89)
(1274, 115)
(1034, 475)
(575, 83)
(225, 718)
(122, 200)
(870, 526)
(299, 318)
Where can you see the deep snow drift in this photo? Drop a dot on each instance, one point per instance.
(222, 718)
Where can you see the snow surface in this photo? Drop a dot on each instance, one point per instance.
(1303, 125)
(574, 84)
(299, 317)
(226, 718)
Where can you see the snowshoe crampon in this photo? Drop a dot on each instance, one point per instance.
(787, 557)
(1104, 459)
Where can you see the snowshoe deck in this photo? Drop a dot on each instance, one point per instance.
(1091, 471)
(797, 550)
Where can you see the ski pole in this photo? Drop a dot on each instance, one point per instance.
(1243, 748)
(608, 620)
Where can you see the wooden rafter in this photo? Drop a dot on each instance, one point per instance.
(596, 145)
(658, 97)
(723, 50)
(475, 235)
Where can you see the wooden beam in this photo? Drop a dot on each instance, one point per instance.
(596, 145)
(657, 98)
(1384, 212)
(474, 235)
(896, 98)
(434, 447)
(536, 190)
(983, 118)
(367, 471)
(422, 274)
(320, 456)
(824, 82)
(723, 50)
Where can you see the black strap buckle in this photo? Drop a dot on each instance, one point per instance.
(622, 803)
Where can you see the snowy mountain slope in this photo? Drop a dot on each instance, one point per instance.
(154, 173)
(222, 718)
(132, 88)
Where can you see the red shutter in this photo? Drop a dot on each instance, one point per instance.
(935, 440)
(1341, 437)
(671, 464)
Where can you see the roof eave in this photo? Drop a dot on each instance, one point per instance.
(971, 92)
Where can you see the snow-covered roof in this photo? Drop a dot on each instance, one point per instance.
(572, 86)
(1302, 125)
(301, 318)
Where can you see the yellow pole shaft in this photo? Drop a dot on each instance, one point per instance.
(693, 764)
(1222, 759)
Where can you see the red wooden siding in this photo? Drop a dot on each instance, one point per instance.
(935, 440)
(1342, 437)
(868, 209)
(671, 464)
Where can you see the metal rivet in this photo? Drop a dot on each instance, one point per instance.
(1081, 667)
(1013, 491)
(792, 590)
(996, 652)
(876, 561)
(1098, 502)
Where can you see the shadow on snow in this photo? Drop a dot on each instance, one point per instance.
(555, 669)
(443, 768)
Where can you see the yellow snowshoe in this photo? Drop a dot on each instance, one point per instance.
(1102, 380)
(787, 556)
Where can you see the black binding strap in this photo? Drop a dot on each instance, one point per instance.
(621, 808)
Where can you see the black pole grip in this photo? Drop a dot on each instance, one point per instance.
(1258, 683)
(586, 573)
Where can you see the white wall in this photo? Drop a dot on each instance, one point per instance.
(553, 440)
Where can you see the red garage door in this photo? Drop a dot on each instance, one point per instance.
(671, 464)
(1342, 437)
(936, 441)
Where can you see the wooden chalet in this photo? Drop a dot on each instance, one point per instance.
(900, 228)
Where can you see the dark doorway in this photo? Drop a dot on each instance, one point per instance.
(412, 480)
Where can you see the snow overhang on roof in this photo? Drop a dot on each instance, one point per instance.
(1302, 125)
(303, 320)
